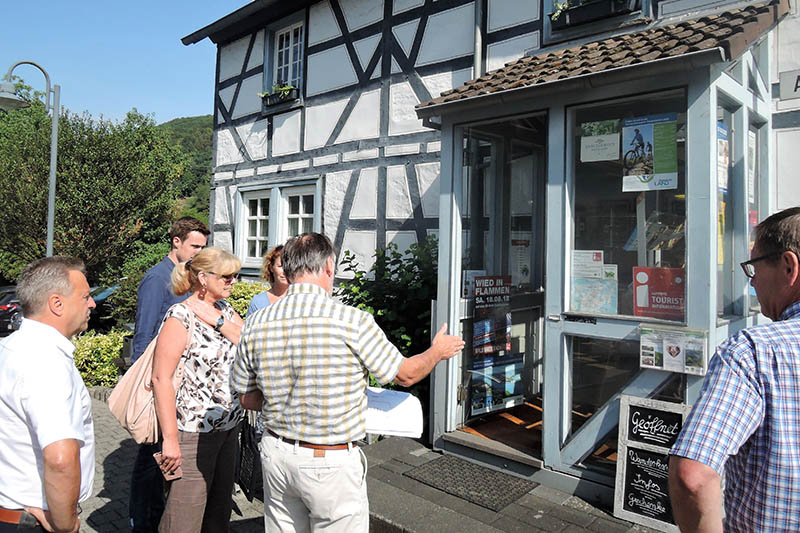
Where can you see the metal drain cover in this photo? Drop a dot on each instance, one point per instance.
(474, 483)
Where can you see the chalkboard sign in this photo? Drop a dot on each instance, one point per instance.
(647, 430)
(653, 426)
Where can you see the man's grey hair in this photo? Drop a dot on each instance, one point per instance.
(306, 254)
(779, 232)
(44, 277)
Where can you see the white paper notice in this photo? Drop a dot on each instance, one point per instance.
(391, 412)
(587, 264)
(600, 148)
(674, 354)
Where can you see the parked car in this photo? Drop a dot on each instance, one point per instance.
(100, 317)
(10, 310)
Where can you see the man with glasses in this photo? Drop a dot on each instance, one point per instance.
(187, 237)
(746, 424)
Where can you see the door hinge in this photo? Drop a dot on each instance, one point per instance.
(461, 396)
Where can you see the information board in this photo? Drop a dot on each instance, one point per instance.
(647, 430)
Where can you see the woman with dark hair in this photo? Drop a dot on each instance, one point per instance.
(199, 421)
(273, 273)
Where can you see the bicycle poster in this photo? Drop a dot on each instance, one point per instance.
(650, 160)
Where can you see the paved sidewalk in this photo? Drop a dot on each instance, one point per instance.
(398, 504)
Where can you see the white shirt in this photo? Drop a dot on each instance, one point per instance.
(42, 400)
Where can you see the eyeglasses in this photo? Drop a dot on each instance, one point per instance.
(227, 278)
(749, 269)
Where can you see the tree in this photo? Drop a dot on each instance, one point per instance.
(114, 192)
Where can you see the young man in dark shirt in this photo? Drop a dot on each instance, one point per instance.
(187, 237)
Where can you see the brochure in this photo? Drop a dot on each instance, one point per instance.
(391, 412)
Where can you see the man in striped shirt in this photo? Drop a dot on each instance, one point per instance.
(746, 423)
(303, 362)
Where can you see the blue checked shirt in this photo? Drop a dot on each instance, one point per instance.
(747, 421)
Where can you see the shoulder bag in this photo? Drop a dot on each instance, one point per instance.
(132, 402)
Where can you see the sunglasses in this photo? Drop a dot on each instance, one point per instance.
(749, 269)
(227, 278)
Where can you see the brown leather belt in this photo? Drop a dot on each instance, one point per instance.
(11, 516)
(304, 444)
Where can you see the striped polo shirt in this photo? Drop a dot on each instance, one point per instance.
(310, 356)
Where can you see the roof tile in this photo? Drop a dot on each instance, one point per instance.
(732, 31)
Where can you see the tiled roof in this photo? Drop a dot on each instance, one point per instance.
(733, 31)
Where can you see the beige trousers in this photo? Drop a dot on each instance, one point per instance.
(304, 493)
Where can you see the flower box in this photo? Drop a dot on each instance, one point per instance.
(592, 11)
(278, 97)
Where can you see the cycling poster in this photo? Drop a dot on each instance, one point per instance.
(650, 153)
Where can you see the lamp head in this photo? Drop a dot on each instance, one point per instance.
(9, 99)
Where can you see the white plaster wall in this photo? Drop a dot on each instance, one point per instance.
(428, 183)
(364, 120)
(231, 58)
(286, 133)
(444, 81)
(395, 67)
(786, 147)
(257, 55)
(404, 33)
(365, 48)
(362, 244)
(498, 54)
(398, 199)
(329, 70)
(448, 35)
(402, 117)
(321, 23)
(358, 13)
(403, 239)
(787, 55)
(334, 194)
(226, 96)
(248, 101)
(320, 121)
(227, 152)
(398, 6)
(507, 13)
(224, 240)
(222, 214)
(365, 202)
(254, 137)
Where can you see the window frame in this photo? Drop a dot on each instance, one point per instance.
(272, 31)
(278, 194)
(275, 50)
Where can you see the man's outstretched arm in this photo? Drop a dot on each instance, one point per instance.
(696, 495)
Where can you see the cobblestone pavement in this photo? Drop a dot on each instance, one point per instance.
(107, 509)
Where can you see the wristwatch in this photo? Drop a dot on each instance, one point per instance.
(220, 323)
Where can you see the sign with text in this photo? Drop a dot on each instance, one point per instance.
(790, 84)
(659, 293)
(647, 430)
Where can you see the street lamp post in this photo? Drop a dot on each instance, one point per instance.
(9, 100)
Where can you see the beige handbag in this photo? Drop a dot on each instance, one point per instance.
(132, 402)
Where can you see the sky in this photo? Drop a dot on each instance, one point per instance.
(112, 56)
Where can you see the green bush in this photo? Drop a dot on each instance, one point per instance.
(96, 355)
(397, 291)
(242, 293)
(123, 301)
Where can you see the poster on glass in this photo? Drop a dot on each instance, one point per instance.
(650, 159)
(496, 381)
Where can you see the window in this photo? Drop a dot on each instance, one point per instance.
(272, 214)
(288, 59)
(629, 206)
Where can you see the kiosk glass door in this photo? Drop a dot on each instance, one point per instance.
(501, 288)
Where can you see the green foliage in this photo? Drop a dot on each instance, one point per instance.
(95, 357)
(194, 136)
(242, 293)
(123, 301)
(397, 291)
(114, 187)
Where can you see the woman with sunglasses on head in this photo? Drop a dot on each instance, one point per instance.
(273, 273)
(199, 421)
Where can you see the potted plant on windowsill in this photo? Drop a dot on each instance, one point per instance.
(574, 12)
(280, 93)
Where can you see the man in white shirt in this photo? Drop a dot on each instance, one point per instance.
(46, 428)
